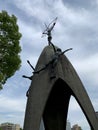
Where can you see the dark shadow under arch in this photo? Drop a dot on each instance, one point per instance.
(56, 109)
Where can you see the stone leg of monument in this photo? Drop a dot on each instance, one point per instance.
(49, 98)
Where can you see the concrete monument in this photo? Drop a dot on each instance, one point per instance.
(54, 80)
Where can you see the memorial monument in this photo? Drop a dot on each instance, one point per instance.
(53, 82)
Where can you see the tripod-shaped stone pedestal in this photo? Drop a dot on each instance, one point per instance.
(49, 98)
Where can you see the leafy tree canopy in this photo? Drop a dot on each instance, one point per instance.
(9, 46)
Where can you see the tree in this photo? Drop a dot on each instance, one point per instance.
(9, 46)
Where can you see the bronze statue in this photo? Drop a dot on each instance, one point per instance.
(53, 62)
(48, 30)
(29, 77)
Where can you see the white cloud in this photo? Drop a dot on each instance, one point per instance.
(11, 104)
(73, 105)
(76, 28)
(88, 67)
(76, 116)
(35, 9)
(12, 110)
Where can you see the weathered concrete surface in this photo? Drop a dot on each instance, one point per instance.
(42, 88)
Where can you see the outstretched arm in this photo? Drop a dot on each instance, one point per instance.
(43, 68)
(52, 24)
(30, 65)
(24, 76)
(66, 51)
(38, 71)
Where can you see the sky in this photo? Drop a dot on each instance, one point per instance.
(76, 27)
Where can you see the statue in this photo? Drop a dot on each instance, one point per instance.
(53, 82)
(48, 30)
(24, 76)
(52, 63)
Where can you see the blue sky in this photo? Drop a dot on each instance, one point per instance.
(77, 27)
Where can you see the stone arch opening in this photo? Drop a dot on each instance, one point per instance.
(83, 110)
(56, 109)
(76, 115)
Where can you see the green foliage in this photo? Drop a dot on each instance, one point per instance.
(9, 46)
